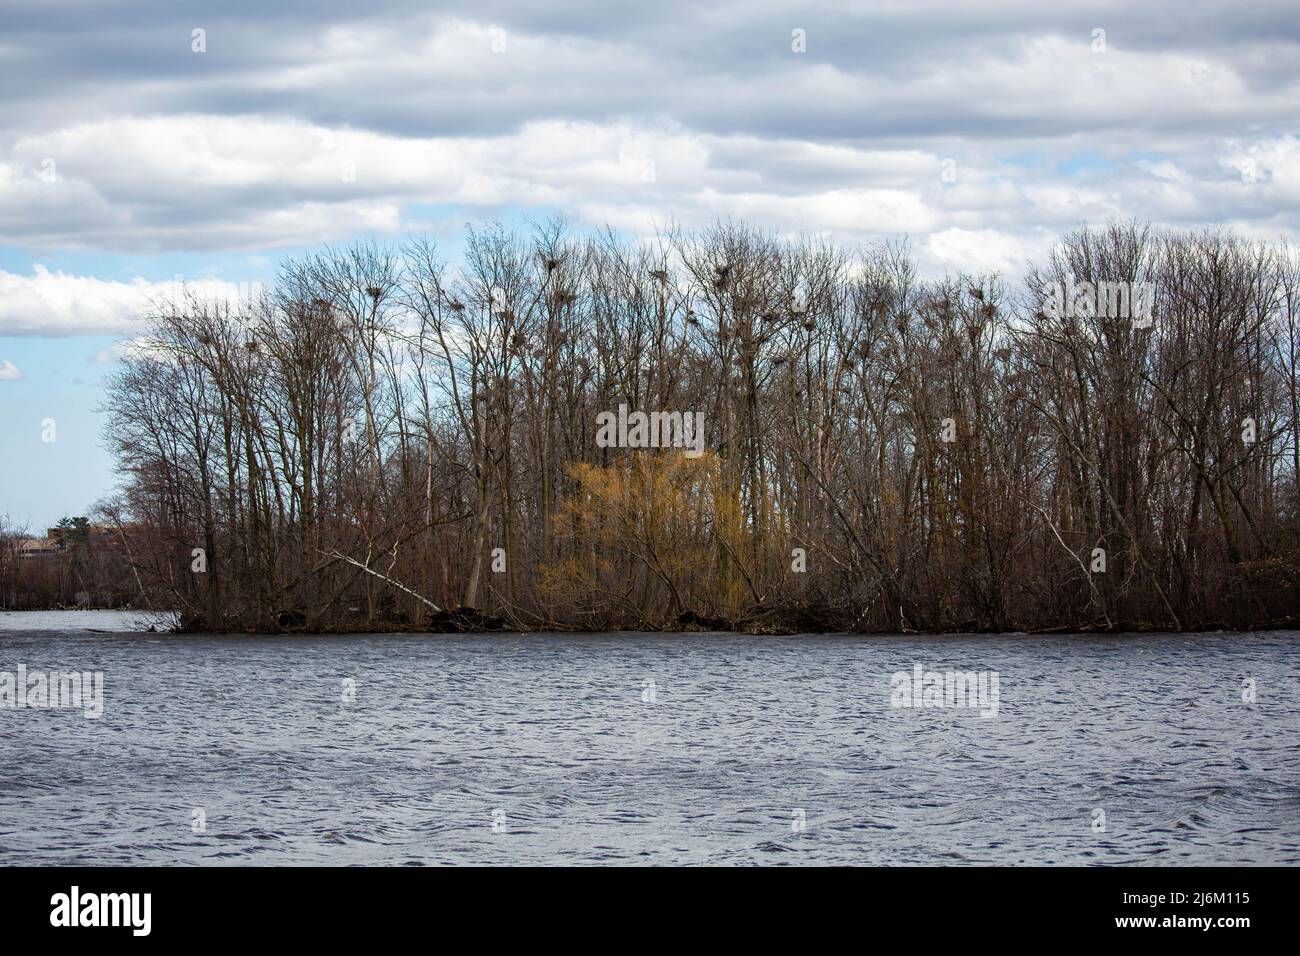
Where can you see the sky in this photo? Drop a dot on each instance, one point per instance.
(146, 142)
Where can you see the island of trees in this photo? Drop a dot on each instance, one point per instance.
(384, 440)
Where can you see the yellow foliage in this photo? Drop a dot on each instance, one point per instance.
(638, 536)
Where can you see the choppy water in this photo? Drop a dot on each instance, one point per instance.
(543, 749)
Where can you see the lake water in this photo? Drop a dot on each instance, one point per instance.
(636, 748)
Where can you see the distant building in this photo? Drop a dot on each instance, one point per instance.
(29, 548)
(59, 540)
(59, 537)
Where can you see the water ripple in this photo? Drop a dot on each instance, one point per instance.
(559, 749)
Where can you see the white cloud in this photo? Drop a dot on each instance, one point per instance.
(57, 303)
(113, 353)
(139, 347)
(636, 118)
(986, 250)
(9, 372)
(213, 182)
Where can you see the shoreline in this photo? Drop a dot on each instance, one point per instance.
(200, 629)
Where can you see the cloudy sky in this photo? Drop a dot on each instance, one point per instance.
(141, 141)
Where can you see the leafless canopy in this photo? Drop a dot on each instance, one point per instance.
(383, 432)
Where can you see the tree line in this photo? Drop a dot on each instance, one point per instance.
(383, 438)
(77, 567)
